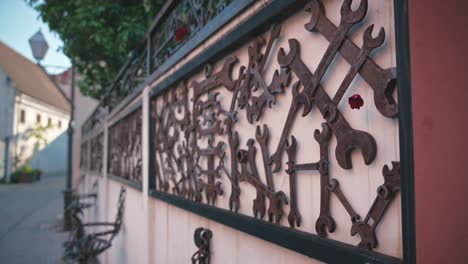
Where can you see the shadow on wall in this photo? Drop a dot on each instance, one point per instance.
(52, 159)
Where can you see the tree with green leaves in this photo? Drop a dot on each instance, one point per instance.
(98, 35)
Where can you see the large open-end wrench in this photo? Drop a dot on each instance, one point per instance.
(385, 194)
(222, 77)
(383, 82)
(369, 44)
(348, 138)
(276, 199)
(348, 19)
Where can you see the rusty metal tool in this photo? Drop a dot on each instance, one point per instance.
(334, 187)
(385, 194)
(276, 199)
(348, 138)
(294, 217)
(383, 82)
(369, 44)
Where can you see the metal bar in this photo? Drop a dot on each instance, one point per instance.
(405, 131)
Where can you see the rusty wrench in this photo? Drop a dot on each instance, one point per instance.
(383, 82)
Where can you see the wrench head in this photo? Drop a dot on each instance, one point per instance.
(349, 16)
(294, 49)
(370, 42)
(366, 232)
(300, 98)
(324, 223)
(275, 160)
(234, 201)
(316, 9)
(291, 148)
(294, 218)
(383, 96)
(262, 137)
(351, 140)
(225, 73)
(259, 208)
(275, 30)
(325, 135)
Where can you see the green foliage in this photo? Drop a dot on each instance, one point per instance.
(98, 35)
(38, 133)
(27, 173)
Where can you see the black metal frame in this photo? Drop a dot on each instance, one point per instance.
(405, 130)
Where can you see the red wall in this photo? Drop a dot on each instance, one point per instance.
(439, 76)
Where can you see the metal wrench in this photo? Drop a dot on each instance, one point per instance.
(348, 138)
(385, 194)
(348, 19)
(383, 82)
(369, 44)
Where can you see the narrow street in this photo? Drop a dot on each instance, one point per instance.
(30, 217)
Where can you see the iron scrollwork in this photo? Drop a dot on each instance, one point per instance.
(125, 153)
(189, 122)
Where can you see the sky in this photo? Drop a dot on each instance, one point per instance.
(18, 22)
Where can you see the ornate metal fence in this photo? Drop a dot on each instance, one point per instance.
(200, 150)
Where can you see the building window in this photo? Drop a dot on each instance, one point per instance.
(23, 116)
(49, 122)
(59, 124)
(38, 119)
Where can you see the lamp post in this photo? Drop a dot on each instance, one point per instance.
(39, 49)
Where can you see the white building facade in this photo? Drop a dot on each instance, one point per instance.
(33, 113)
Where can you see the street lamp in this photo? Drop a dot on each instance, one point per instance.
(39, 49)
(38, 46)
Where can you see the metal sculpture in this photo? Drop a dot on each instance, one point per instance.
(190, 143)
(125, 154)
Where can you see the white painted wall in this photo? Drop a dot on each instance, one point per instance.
(52, 160)
(32, 109)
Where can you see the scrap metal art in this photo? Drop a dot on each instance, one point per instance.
(97, 151)
(190, 122)
(125, 153)
(202, 238)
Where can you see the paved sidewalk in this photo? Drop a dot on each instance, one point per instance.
(30, 217)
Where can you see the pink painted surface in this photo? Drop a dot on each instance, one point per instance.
(439, 74)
